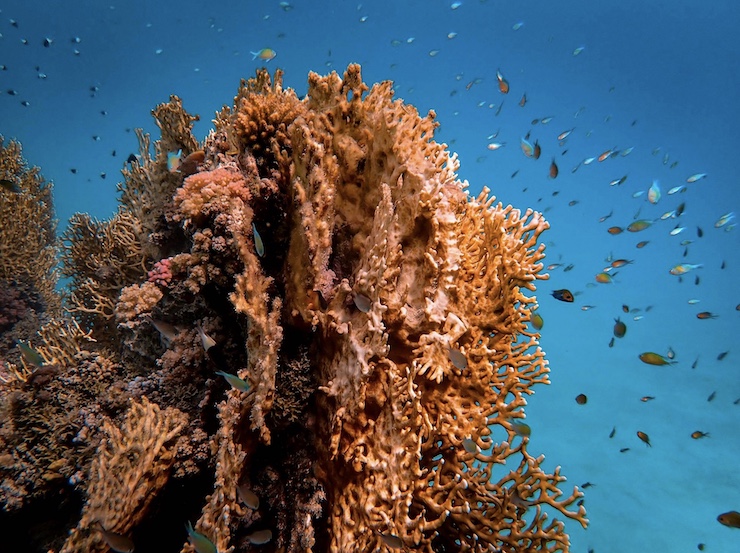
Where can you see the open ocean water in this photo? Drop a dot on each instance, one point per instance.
(649, 85)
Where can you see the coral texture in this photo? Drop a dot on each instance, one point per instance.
(344, 329)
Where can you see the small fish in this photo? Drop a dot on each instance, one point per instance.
(695, 177)
(458, 359)
(527, 147)
(200, 543)
(563, 295)
(173, 161)
(266, 54)
(670, 354)
(523, 101)
(493, 146)
(537, 150)
(117, 542)
(30, 355)
(677, 230)
(617, 263)
(676, 189)
(698, 434)
(189, 165)
(644, 437)
(553, 169)
(730, 518)
(604, 278)
(503, 84)
(652, 358)
(726, 218)
(518, 25)
(248, 497)
(205, 339)
(537, 321)
(581, 399)
(10, 186)
(470, 446)
(645, 399)
(565, 134)
(706, 315)
(259, 537)
(235, 382)
(363, 303)
(683, 268)
(615, 230)
(613, 432)
(654, 193)
(167, 332)
(712, 396)
(722, 355)
(521, 429)
(587, 307)
(624, 450)
(640, 224)
(259, 246)
(642, 244)
(611, 342)
(578, 50)
(605, 155)
(620, 329)
(617, 182)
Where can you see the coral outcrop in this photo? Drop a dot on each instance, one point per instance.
(312, 312)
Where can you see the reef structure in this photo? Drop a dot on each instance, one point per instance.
(336, 331)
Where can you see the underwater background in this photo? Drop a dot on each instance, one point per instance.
(651, 84)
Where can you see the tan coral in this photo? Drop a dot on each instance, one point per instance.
(28, 246)
(131, 466)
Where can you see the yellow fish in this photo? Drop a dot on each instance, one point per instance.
(652, 358)
(266, 54)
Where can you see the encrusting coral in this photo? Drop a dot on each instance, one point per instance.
(341, 329)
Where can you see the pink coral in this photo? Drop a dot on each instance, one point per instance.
(161, 273)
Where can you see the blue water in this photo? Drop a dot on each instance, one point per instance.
(660, 76)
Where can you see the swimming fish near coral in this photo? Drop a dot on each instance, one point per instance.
(248, 497)
(266, 54)
(259, 245)
(117, 542)
(30, 355)
(260, 537)
(458, 359)
(521, 429)
(651, 358)
(10, 186)
(730, 518)
(235, 382)
(537, 321)
(205, 339)
(563, 295)
(200, 543)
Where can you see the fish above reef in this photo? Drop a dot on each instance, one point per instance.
(200, 543)
(10, 186)
(563, 295)
(521, 429)
(30, 355)
(266, 54)
(652, 358)
(730, 518)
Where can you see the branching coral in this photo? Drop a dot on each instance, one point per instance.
(131, 466)
(27, 233)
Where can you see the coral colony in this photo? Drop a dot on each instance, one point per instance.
(306, 311)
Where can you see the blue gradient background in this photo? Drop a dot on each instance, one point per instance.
(671, 66)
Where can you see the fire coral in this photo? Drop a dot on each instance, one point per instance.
(381, 327)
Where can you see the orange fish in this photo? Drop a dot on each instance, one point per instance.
(615, 230)
(643, 243)
(503, 84)
(537, 150)
(553, 169)
(730, 518)
(706, 315)
(605, 155)
(604, 278)
(620, 329)
(651, 358)
(523, 101)
(581, 399)
(617, 263)
(699, 434)
(644, 437)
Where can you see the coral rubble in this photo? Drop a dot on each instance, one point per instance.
(313, 311)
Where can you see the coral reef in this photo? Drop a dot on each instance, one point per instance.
(311, 313)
